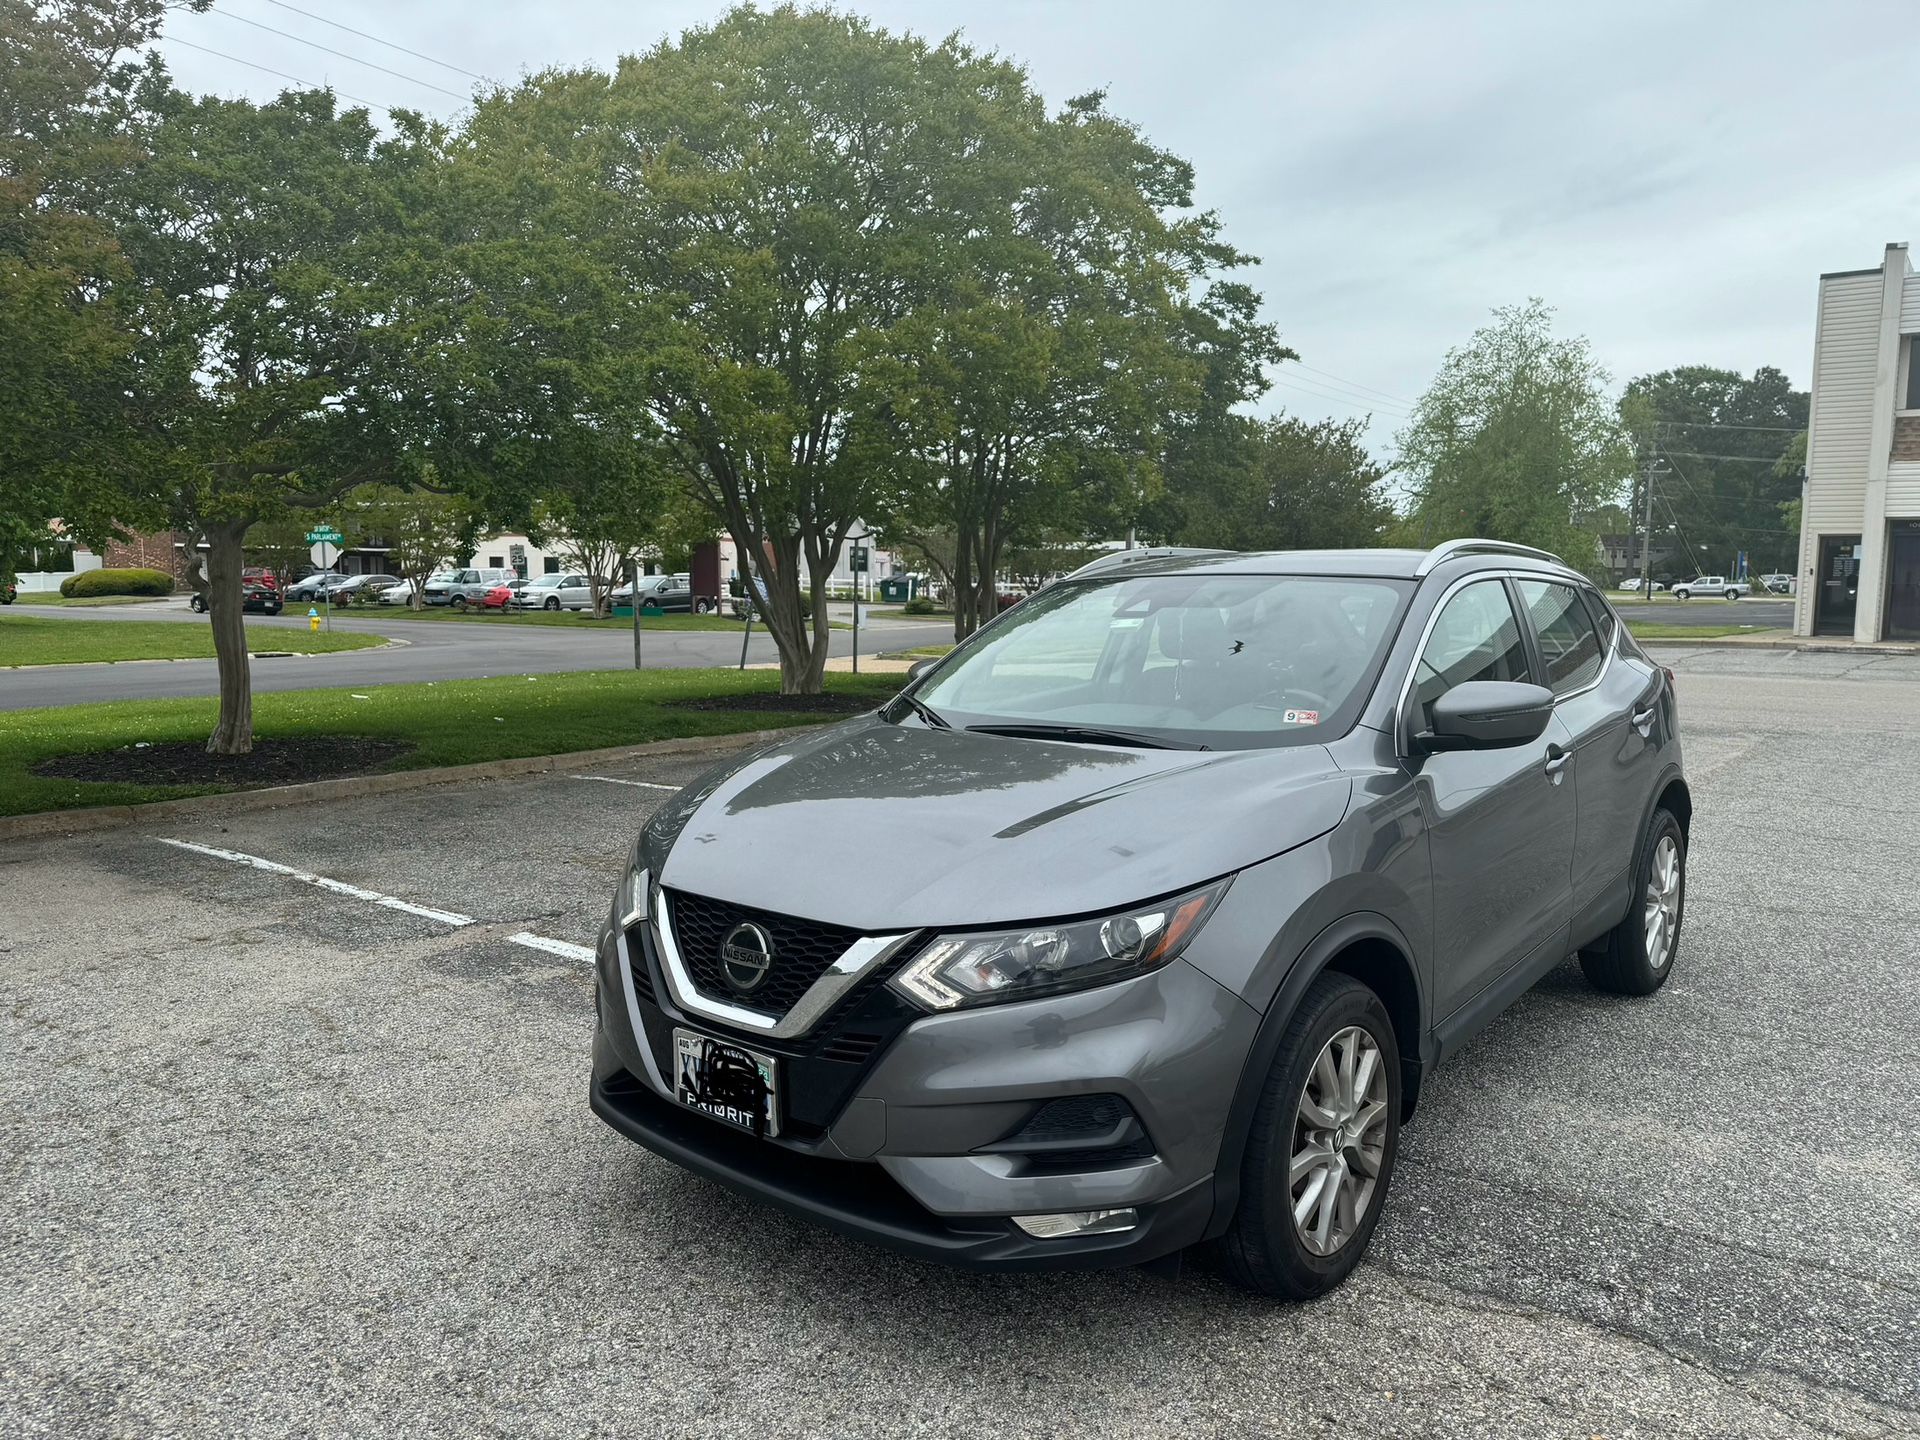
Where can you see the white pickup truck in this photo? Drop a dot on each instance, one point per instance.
(1707, 585)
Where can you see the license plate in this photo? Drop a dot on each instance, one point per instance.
(736, 1086)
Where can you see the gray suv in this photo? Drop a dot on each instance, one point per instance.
(1172, 886)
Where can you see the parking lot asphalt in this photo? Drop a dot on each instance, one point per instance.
(430, 650)
(281, 1160)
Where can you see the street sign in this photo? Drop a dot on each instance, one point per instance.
(324, 535)
(857, 559)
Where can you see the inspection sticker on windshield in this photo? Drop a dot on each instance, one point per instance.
(1301, 717)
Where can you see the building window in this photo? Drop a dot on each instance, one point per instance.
(1913, 372)
(550, 566)
(495, 562)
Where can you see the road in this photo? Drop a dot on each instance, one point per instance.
(432, 650)
(284, 1162)
(1770, 613)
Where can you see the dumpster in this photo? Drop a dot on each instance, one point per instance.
(899, 588)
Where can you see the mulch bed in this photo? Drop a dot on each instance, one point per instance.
(764, 704)
(186, 762)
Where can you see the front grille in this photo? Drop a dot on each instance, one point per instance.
(803, 950)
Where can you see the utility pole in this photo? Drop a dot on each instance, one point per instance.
(1646, 536)
(633, 575)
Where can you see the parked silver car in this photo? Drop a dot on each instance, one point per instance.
(1176, 882)
(555, 592)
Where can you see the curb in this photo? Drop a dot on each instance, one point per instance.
(391, 641)
(272, 797)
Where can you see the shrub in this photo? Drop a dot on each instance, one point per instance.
(919, 605)
(117, 582)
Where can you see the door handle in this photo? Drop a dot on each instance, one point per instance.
(1643, 719)
(1556, 766)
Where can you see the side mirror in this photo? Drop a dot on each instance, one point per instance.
(920, 667)
(1487, 715)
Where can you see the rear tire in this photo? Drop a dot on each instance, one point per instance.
(197, 604)
(1266, 1249)
(1636, 956)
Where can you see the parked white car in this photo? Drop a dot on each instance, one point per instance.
(1778, 584)
(1707, 585)
(401, 594)
(1632, 586)
(555, 592)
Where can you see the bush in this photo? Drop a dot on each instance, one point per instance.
(117, 582)
(919, 605)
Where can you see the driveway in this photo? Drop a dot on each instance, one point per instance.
(442, 650)
(297, 1161)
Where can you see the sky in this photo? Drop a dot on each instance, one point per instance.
(1671, 177)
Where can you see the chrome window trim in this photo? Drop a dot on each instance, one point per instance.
(854, 964)
(1400, 734)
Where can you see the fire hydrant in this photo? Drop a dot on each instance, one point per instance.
(313, 621)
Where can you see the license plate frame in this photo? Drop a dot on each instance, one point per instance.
(711, 1077)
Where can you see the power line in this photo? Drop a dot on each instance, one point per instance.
(353, 59)
(1350, 401)
(1717, 425)
(269, 70)
(417, 54)
(1353, 384)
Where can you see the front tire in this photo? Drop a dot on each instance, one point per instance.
(458, 602)
(197, 604)
(1636, 956)
(553, 603)
(1320, 1157)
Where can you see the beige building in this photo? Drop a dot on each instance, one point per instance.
(1860, 525)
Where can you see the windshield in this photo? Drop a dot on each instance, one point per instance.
(1221, 661)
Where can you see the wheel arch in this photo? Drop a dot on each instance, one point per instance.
(1370, 948)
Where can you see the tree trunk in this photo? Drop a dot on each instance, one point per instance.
(225, 556)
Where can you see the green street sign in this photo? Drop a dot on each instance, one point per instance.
(325, 535)
(857, 559)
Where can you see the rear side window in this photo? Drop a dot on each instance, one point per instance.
(1476, 637)
(1568, 642)
(1604, 617)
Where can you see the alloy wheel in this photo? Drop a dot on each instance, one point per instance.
(1662, 914)
(1339, 1140)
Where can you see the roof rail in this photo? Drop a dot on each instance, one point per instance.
(1114, 559)
(1447, 549)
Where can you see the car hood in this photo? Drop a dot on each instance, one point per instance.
(888, 827)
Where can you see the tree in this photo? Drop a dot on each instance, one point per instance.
(265, 240)
(1083, 324)
(66, 363)
(1515, 440)
(1722, 438)
(1287, 484)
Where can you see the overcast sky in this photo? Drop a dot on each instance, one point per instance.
(1672, 177)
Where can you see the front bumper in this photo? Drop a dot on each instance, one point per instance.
(902, 1153)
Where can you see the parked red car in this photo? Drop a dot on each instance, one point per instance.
(498, 598)
(258, 575)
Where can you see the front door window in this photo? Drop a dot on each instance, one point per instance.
(1903, 582)
(1839, 585)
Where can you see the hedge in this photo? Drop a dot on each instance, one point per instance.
(117, 582)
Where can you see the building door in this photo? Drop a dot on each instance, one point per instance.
(1903, 582)
(1839, 582)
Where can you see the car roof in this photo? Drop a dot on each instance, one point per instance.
(1398, 564)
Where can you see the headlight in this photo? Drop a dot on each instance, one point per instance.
(978, 969)
(630, 900)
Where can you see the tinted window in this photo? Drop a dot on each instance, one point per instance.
(1476, 637)
(1199, 659)
(1604, 617)
(1568, 642)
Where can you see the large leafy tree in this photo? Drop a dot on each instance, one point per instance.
(266, 241)
(1516, 439)
(66, 345)
(1719, 438)
(1086, 323)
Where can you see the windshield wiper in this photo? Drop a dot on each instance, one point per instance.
(1093, 733)
(927, 713)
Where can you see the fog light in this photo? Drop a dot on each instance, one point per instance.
(1076, 1222)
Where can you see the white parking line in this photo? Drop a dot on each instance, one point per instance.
(338, 887)
(553, 947)
(616, 780)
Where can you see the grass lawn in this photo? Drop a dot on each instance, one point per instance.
(53, 597)
(37, 640)
(453, 722)
(1654, 630)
